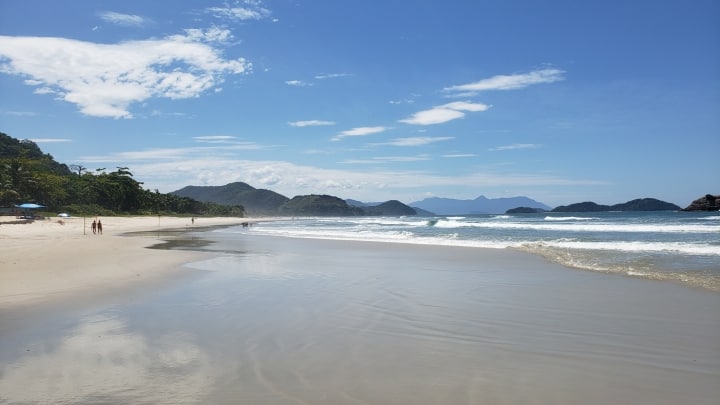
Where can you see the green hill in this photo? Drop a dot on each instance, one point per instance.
(319, 205)
(392, 208)
(640, 204)
(29, 175)
(255, 201)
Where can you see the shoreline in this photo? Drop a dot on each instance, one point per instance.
(50, 259)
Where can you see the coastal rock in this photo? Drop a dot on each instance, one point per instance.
(707, 203)
(525, 210)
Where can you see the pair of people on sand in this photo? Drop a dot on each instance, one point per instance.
(97, 227)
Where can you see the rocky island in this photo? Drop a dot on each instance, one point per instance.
(707, 203)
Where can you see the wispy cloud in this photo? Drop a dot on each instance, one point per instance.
(324, 76)
(298, 83)
(444, 113)
(176, 154)
(103, 80)
(50, 140)
(214, 139)
(516, 146)
(508, 82)
(241, 11)
(125, 20)
(310, 123)
(416, 141)
(459, 155)
(361, 131)
(387, 159)
(20, 113)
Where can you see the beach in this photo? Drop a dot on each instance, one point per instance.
(273, 320)
(59, 257)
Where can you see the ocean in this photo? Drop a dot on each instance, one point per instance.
(674, 246)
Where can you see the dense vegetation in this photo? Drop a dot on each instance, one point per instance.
(255, 201)
(319, 205)
(29, 175)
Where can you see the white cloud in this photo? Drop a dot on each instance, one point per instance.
(466, 106)
(297, 83)
(212, 34)
(172, 169)
(292, 179)
(310, 123)
(242, 11)
(361, 131)
(103, 80)
(509, 82)
(416, 141)
(126, 20)
(43, 90)
(444, 113)
(516, 146)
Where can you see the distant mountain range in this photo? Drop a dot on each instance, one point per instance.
(266, 202)
(640, 204)
(480, 205)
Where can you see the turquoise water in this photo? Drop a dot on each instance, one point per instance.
(674, 246)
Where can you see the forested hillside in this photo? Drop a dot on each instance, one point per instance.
(255, 201)
(29, 175)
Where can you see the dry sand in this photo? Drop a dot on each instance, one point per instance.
(60, 257)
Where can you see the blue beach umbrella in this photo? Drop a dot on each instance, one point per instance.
(30, 206)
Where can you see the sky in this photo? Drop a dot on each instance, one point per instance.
(561, 101)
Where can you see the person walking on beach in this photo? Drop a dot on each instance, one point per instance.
(99, 227)
(94, 227)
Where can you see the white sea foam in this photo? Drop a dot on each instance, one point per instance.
(582, 227)
(453, 239)
(386, 237)
(627, 246)
(570, 218)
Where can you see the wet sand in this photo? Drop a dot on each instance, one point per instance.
(267, 320)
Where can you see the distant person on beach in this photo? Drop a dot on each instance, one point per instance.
(94, 226)
(99, 227)
(193, 220)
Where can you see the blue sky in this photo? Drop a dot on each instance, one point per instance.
(560, 101)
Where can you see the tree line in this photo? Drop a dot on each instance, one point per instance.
(29, 175)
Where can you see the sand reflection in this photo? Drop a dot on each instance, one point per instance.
(101, 361)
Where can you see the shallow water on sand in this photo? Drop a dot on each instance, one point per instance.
(284, 321)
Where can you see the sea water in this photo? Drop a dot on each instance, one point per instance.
(669, 245)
